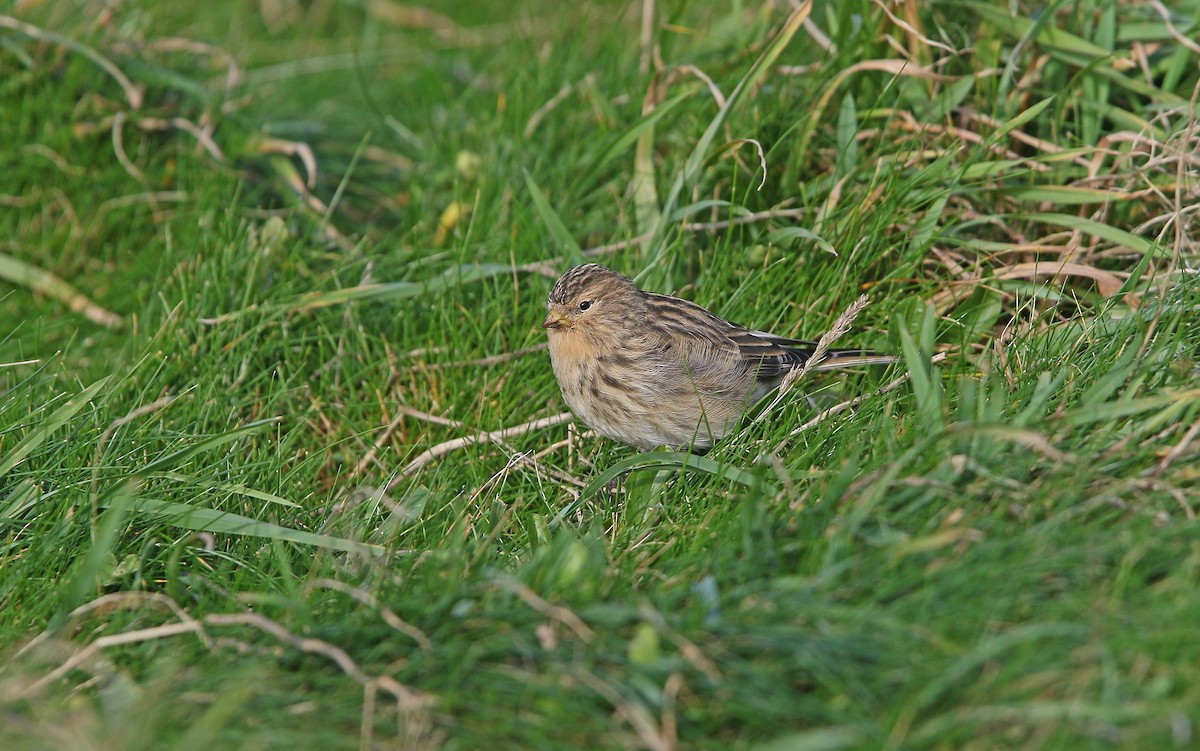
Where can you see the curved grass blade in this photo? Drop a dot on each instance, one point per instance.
(455, 276)
(1096, 229)
(696, 159)
(554, 223)
(223, 522)
(1048, 35)
(39, 434)
(678, 460)
(86, 572)
(631, 134)
(1065, 195)
(162, 464)
(43, 282)
(233, 488)
(1026, 115)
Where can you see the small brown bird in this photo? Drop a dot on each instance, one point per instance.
(652, 370)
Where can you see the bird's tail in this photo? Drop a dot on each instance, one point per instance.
(837, 359)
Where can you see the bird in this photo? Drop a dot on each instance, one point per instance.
(652, 370)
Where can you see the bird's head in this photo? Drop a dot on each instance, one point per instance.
(588, 296)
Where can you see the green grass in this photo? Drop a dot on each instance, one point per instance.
(219, 523)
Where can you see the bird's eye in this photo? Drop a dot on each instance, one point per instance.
(585, 304)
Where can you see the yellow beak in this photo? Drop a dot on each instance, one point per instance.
(555, 319)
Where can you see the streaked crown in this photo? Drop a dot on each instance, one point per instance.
(589, 280)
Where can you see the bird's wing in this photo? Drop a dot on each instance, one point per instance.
(702, 337)
(833, 359)
(770, 356)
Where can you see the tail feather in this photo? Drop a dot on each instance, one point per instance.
(837, 359)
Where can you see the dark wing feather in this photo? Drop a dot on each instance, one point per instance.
(803, 349)
(771, 356)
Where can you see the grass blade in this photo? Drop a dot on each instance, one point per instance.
(554, 223)
(43, 282)
(696, 159)
(175, 458)
(1019, 26)
(39, 434)
(86, 574)
(223, 522)
(233, 488)
(678, 460)
(1097, 229)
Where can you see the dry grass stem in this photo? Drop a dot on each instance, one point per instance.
(646, 37)
(18, 363)
(384, 436)
(909, 29)
(364, 597)
(412, 705)
(133, 92)
(489, 361)
(494, 436)
(43, 282)
(636, 715)
(555, 612)
(839, 329)
(536, 118)
(1178, 449)
(852, 403)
